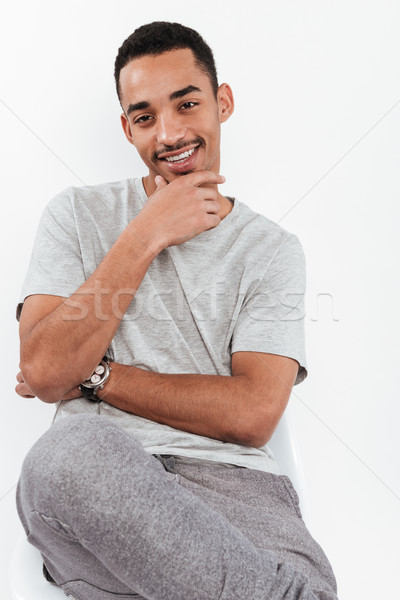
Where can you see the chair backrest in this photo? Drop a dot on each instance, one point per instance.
(285, 448)
(26, 578)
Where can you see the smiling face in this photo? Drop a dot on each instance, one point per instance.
(171, 114)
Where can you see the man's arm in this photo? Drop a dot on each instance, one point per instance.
(62, 340)
(243, 408)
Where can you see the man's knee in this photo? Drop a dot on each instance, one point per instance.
(60, 461)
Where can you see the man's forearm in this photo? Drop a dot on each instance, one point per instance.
(63, 345)
(63, 348)
(226, 408)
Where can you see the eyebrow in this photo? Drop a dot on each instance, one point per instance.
(187, 90)
(174, 96)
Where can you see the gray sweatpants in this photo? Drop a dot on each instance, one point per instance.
(113, 521)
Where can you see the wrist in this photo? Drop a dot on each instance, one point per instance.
(109, 390)
(147, 235)
(96, 382)
(119, 391)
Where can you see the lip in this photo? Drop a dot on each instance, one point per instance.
(181, 167)
(177, 152)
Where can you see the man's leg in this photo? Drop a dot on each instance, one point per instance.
(110, 523)
(265, 507)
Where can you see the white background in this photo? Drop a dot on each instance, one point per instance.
(313, 145)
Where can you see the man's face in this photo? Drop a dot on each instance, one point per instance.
(171, 114)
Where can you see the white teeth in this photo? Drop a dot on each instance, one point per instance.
(179, 157)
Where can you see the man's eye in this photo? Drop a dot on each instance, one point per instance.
(189, 104)
(142, 119)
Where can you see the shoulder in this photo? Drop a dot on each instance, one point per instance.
(264, 236)
(98, 201)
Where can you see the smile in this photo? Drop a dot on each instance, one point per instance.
(182, 160)
(180, 157)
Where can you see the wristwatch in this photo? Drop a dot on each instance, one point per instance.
(96, 381)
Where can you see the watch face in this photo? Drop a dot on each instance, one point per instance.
(99, 376)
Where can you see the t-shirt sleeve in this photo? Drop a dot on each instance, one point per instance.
(55, 266)
(271, 319)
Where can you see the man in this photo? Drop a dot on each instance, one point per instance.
(166, 321)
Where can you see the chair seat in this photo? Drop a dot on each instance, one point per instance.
(26, 574)
(26, 569)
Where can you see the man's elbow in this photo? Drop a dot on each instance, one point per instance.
(254, 431)
(256, 437)
(39, 382)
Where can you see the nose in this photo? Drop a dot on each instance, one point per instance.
(170, 129)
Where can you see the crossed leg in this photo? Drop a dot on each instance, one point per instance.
(111, 524)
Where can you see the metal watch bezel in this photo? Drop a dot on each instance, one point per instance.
(100, 384)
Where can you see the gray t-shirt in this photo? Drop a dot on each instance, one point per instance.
(237, 287)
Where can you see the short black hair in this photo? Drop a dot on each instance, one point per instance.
(162, 36)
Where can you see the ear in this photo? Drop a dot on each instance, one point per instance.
(126, 126)
(225, 101)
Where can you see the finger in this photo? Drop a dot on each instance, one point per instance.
(160, 183)
(23, 391)
(205, 193)
(213, 220)
(202, 177)
(212, 206)
(74, 393)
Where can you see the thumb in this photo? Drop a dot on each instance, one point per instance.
(160, 182)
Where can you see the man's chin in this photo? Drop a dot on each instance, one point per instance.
(171, 176)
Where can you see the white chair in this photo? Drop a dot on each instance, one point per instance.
(285, 447)
(26, 578)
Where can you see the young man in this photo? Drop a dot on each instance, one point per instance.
(166, 321)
